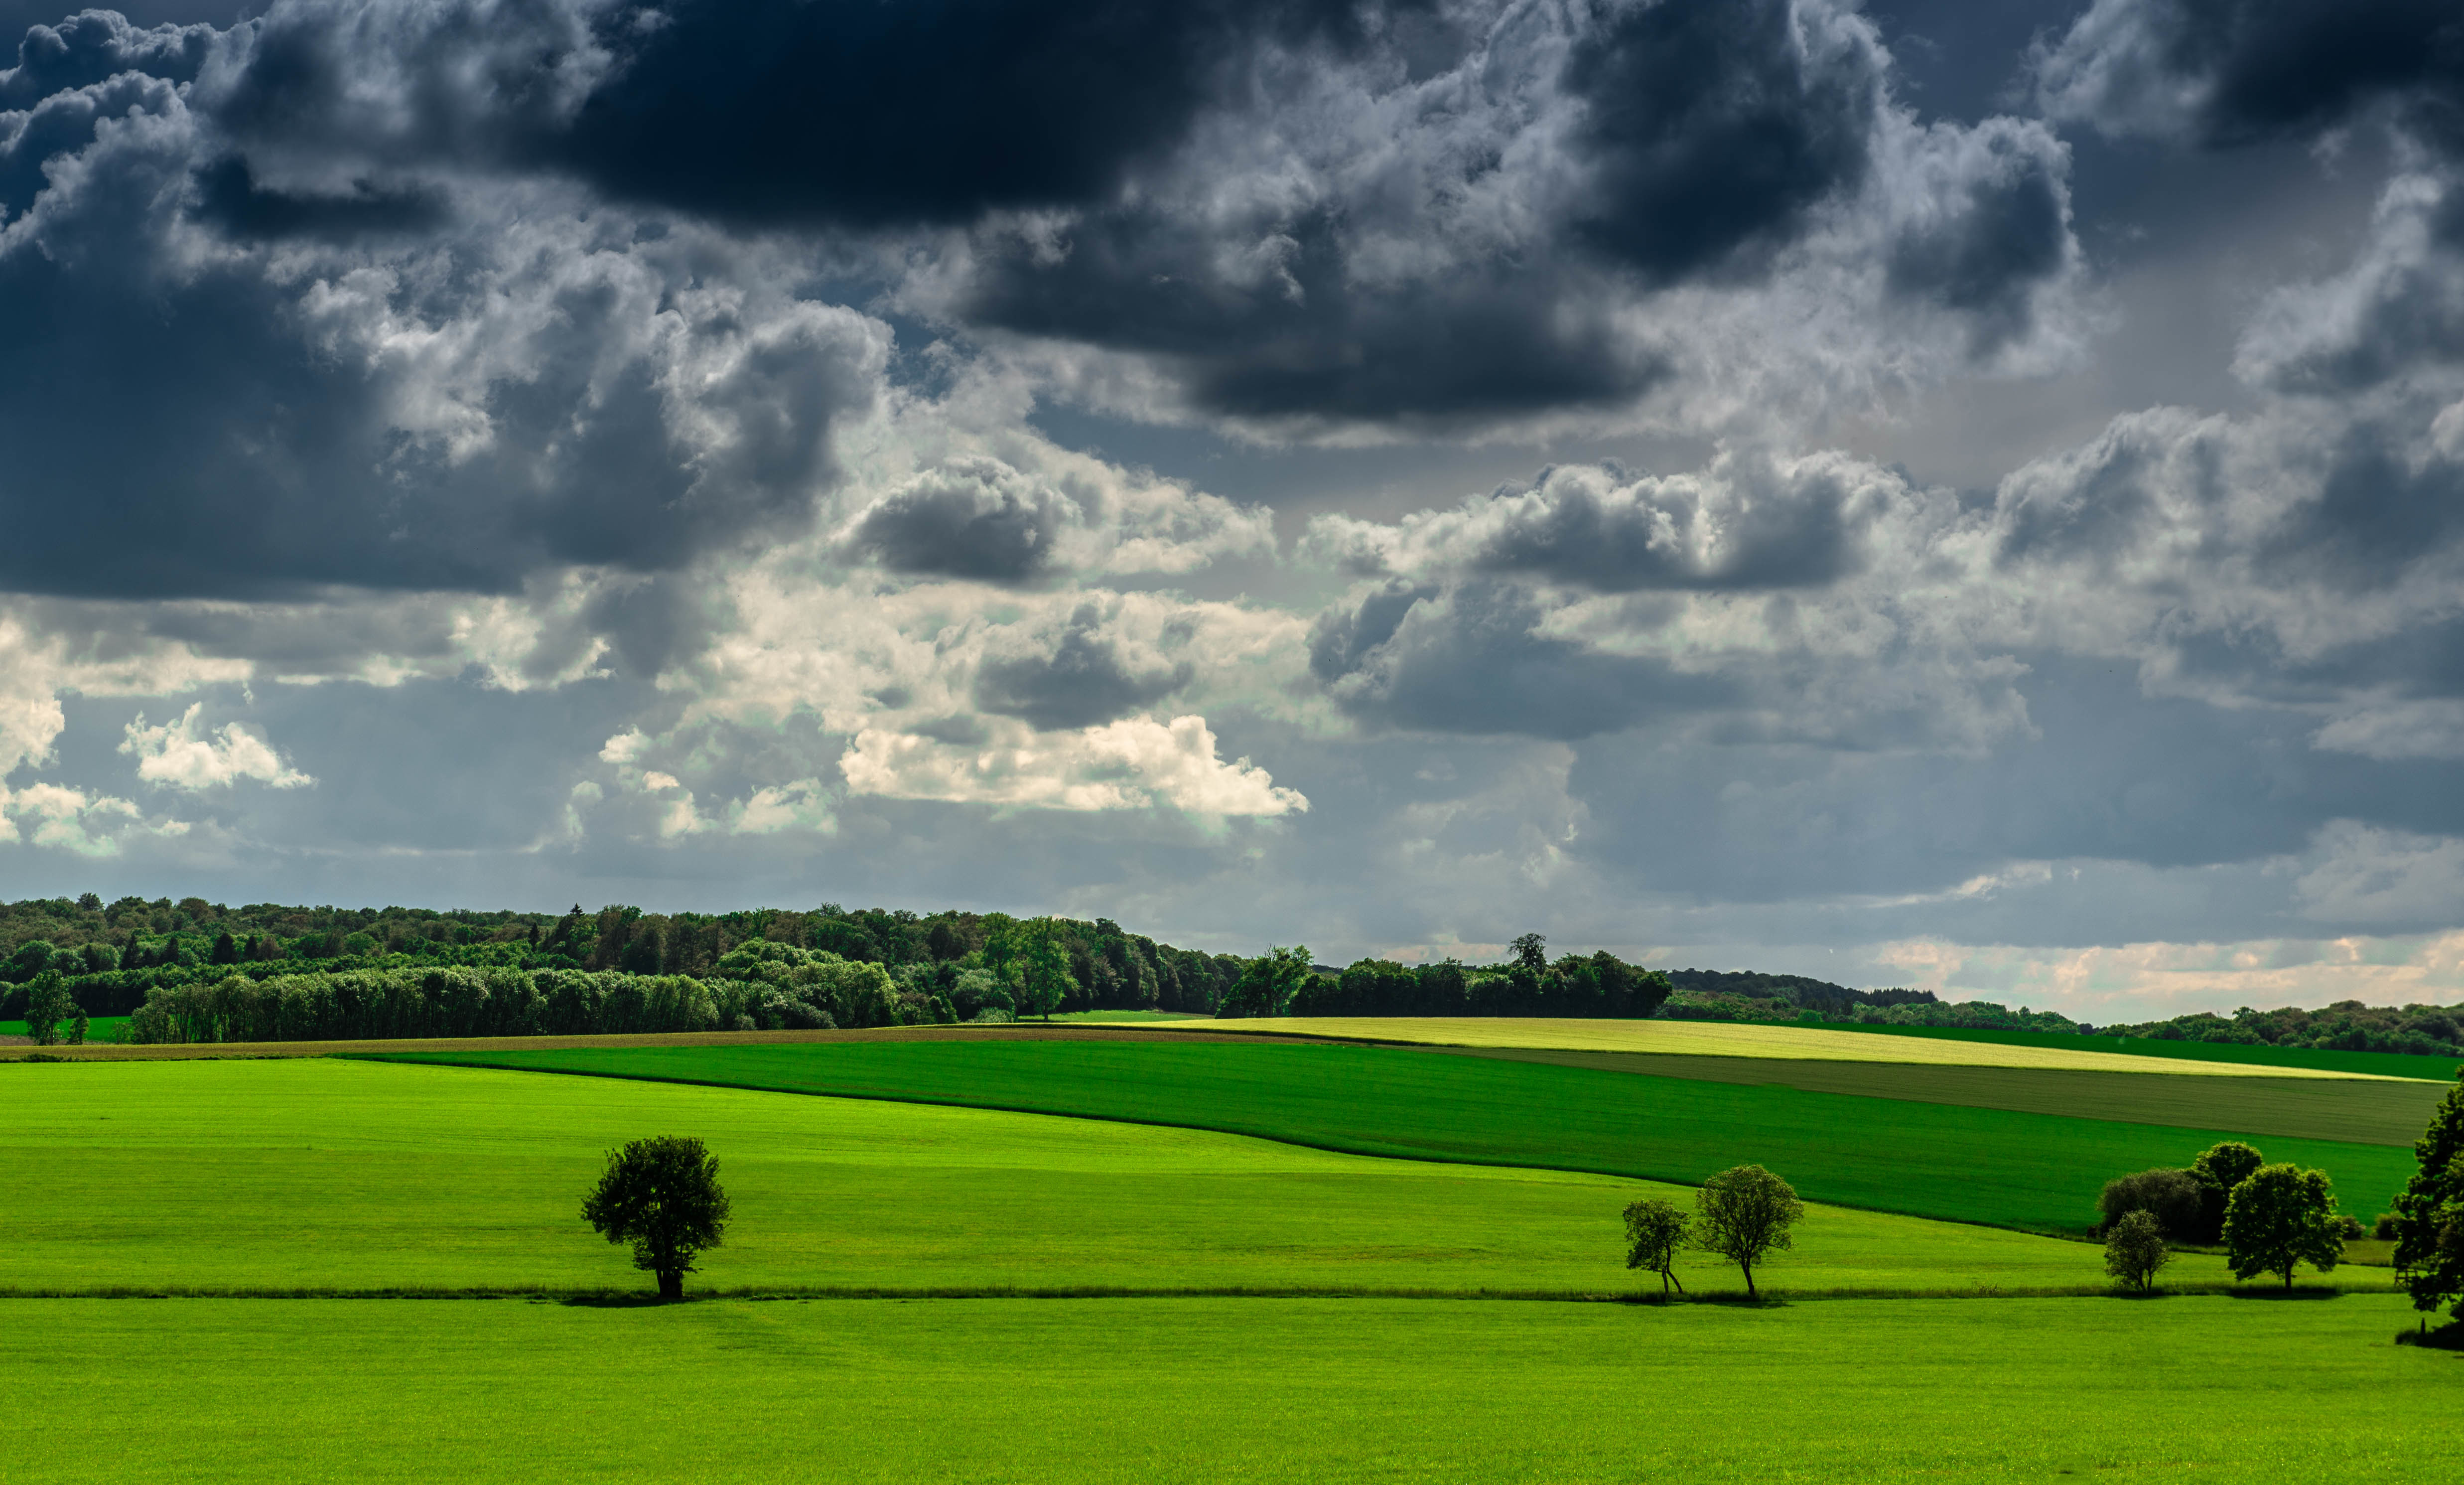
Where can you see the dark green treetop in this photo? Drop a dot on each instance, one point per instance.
(2280, 1216)
(662, 1195)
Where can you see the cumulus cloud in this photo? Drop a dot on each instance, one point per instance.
(187, 755)
(1135, 764)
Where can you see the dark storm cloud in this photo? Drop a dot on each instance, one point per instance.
(202, 430)
(1083, 680)
(2235, 72)
(1470, 659)
(1483, 341)
(968, 518)
(2008, 232)
(230, 198)
(1707, 129)
(1533, 192)
(773, 112)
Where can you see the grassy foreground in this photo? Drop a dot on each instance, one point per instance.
(2034, 1171)
(1209, 1390)
(305, 1174)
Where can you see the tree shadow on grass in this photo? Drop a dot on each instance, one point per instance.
(2449, 1337)
(648, 1300)
(2278, 1292)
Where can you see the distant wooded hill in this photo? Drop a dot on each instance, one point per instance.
(113, 955)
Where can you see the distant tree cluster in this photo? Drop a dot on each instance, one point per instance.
(2268, 1218)
(1526, 983)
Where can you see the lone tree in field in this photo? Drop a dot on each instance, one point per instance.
(662, 1196)
(1743, 1214)
(1655, 1230)
(2280, 1216)
(2429, 1215)
(2136, 1248)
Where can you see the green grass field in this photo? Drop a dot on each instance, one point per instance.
(2034, 1171)
(2365, 1111)
(98, 1029)
(1206, 1390)
(348, 1175)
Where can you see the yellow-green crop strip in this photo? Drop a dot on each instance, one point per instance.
(1731, 1040)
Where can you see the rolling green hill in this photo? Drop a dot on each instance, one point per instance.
(2034, 1171)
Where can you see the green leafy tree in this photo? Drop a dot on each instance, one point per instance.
(2219, 1168)
(2135, 1248)
(1039, 966)
(2280, 1216)
(1744, 1215)
(2428, 1215)
(1655, 1231)
(1531, 953)
(47, 1006)
(662, 1195)
(1268, 984)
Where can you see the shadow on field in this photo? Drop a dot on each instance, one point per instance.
(2297, 1292)
(642, 1301)
(2449, 1337)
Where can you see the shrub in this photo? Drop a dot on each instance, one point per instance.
(2385, 1228)
(2175, 1199)
(2136, 1248)
(2349, 1226)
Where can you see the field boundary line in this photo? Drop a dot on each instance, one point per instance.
(601, 1295)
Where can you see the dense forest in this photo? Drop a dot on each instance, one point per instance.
(199, 970)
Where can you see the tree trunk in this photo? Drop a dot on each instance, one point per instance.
(1749, 1280)
(672, 1284)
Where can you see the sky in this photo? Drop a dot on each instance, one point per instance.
(1923, 493)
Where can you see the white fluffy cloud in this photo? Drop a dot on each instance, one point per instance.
(186, 754)
(1133, 764)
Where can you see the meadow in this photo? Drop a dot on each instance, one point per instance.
(1224, 1389)
(2034, 1171)
(347, 1176)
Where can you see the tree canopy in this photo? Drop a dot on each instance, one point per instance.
(1744, 1215)
(662, 1195)
(2280, 1216)
(2134, 1249)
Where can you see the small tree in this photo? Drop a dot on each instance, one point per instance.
(662, 1195)
(2428, 1219)
(47, 1006)
(2136, 1248)
(2280, 1216)
(1655, 1230)
(1744, 1215)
